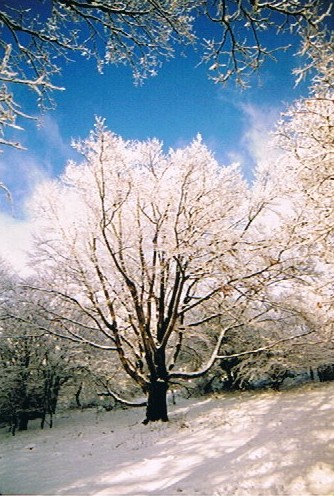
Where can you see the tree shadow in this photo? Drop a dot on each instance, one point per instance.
(248, 444)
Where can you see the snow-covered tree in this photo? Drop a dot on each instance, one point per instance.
(32, 374)
(153, 256)
(306, 134)
(34, 366)
(135, 250)
(306, 137)
(298, 188)
(36, 39)
(301, 356)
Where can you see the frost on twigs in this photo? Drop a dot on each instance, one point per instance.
(35, 42)
(161, 257)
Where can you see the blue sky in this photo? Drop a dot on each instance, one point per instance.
(173, 106)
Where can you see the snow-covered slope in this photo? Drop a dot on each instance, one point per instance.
(236, 444)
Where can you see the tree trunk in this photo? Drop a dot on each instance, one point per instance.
(43, 417)
(77, 395)
(157, 402)
(23, 421)
(54, 394)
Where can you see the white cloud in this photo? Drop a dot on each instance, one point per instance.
(235, 157)
(256, 122)
(50, 131)
(20, 172)
(259, 123)
(15, 243)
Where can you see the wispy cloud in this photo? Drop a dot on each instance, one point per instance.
(15, 242)
(256, 120)
(20, 172)
(50, 134)
(258, 123)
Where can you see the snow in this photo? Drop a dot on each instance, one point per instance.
(233, 444)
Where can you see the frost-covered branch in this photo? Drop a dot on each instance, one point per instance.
(35, 42)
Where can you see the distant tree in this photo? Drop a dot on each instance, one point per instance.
(37, 38)
(31, 378)
(297, 187)
(291, 358)
(34, 366)
(305, 137)
(153, 256)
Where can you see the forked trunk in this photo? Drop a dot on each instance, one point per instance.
(157, 402)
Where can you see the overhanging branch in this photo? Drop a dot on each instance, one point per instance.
(264, 348)
(215, 356)
(121, 400)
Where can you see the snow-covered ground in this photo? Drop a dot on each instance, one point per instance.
(236, 444)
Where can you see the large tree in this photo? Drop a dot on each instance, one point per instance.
(154, 256)
(135, 250)
(37, 37)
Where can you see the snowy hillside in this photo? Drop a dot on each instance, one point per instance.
(235, 444)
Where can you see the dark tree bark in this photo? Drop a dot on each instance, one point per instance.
(157, 402)
(54, 394)
(25, 416)
(13, 424)
(23, 421)
(326, 373)
(77, 395)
